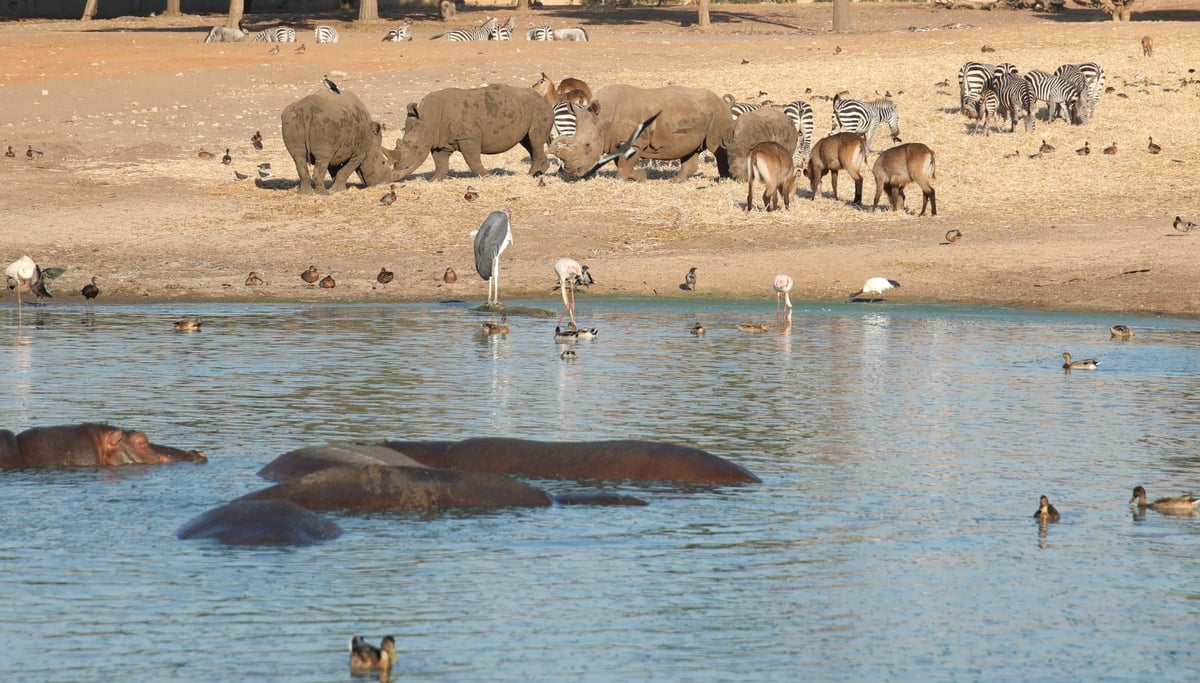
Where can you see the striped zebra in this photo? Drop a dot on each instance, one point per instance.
(276, 34)
(540, 33)
(400, 33)
(1093, 77)
(857, 116)
(972, 76)
(1004, 68)
(1010, 93)
(324, 33)
(480, 32)
(985, 105)
(503, 32)
(801, 115)
(564, 120)
(738, 108)
(1058, 93)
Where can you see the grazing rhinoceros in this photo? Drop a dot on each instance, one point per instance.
(490, 120)
(334, 132)
(761, 125)
(689, 121)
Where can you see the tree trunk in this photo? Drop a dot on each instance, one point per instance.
(522, 5)
(235, 14)
(841, 16)
(89, 10)
(368, 10)
(172, 9)
(702, 19)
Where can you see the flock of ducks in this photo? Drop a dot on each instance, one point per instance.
(1173, 505)
(1152, 147)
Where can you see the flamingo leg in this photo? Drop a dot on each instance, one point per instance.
(572, 307)
(787, 301)
(566, 306)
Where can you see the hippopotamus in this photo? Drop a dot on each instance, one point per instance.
(689, 121)
(489, 120)
(334, 132)
(87, 444)
(761, 125)
(611, 460)
(260, 522)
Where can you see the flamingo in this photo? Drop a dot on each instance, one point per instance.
(25, 274)
(567, 269)
(491, 239)
(783, 287)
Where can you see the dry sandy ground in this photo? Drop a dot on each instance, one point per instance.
(120, 108)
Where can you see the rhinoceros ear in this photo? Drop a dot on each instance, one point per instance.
(412, 111)
(594, 107)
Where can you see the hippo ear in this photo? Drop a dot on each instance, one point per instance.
(412, 111)
(112, 436)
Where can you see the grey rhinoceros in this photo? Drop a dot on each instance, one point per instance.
(761, 125)
(334, 133)
(489, 120)
(689, 121)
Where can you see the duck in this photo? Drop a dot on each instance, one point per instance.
(204, 154)
(1085, 364)
(567, 355)
(471, 195)
(697, 328)
(253, 280)
(299, 50)
(1046, 512)
(1015, 155)
(584, 333)
(496, 328)
(1111, 149)
(186, 325)
(311, 275)
(225, 158)
(367, 657)
(689, 280)
(755, 328)
(328, 282)
(1187, 503)
(385, 276)
(1184, 226)
(561, 335)
(1085, 150)
(238, 175)
(449, 277)
(273, 51)
(953, 236)
(389, 198)
(1120, 332)
(256, 139)
(1152, 147)
(1046, 147)
(10, 153)
(90, 291)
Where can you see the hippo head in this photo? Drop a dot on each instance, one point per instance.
(578, 153)
(121, 447)
(412, 149)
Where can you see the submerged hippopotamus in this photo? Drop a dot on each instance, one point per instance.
(611, 460)
(260, 522)
(87, 444)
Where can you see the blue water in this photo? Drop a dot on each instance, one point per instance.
(902, 451)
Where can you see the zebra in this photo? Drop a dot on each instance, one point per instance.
(1075, 77)
(1093, 77)
(503, 32)
(1010, 99)
(972, 76)
(738, 108)
(857, 116)
(325, 33)
(801, 115)
(1004, 68)
(564, 119)
(400, 33)
(540, 33)
(1057, 92)
(985, 105)
(276, 34)
(480, 32)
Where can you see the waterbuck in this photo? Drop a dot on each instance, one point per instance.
(838, 152)
(770, 163)
(911, 162)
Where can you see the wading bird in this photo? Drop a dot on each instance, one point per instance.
(783, 290)
(90, 291)
(567, 270)
(875, 287)
(24, 274)
(491, 239)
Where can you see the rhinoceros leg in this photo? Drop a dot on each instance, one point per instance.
(306, 181)
(539, 163)
(441, 163)
(472, 151)
(687, 168)
(626, 169)
(343, 173)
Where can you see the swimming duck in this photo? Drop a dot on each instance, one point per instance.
(186, 325)
(561, 335)
(698, 328)
(328, 282)
(311, 275)
(1085, 364)
(1120, 332)
(1152, 147)
(367, 657)
(1186, 503)
(1046, 511)
(90, 291)
(567, 355)
(953, 236)
(755, 328)
(496, 328)
(385, 276)
(253, 280)
(449, 277)
(1111, 149)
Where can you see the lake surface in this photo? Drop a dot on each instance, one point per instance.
(902, 451)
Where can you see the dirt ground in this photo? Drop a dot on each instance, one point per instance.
(120, 108)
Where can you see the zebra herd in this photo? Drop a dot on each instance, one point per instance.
(492, 29)
(986, 91)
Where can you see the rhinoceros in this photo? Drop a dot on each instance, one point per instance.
(334, 133)
(689, 121)
(761, 125)
(489, 120)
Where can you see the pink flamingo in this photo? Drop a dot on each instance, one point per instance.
(567, 269)
(783, 287)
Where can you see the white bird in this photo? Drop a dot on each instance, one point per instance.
(491, 239)
(567, 270)
(25, 274)
(330, 84)
(783, 288)
(625, 148)
(875, 286)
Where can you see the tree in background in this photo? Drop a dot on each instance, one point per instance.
(841, 16)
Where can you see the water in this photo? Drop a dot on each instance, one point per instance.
(902, 451)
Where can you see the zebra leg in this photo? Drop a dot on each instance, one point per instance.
(870, 135)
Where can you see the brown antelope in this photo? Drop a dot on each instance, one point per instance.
(771, 164)
(838, 152)
(553, 93)
(1147, 46)
(911, 162)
